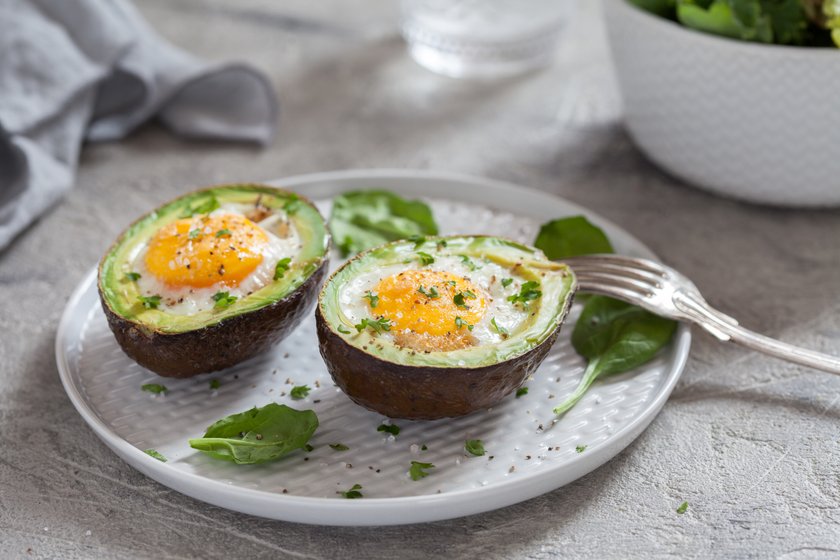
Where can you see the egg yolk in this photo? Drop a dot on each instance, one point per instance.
(205, 250)
(429, 302)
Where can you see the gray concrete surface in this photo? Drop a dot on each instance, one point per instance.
(752, 444)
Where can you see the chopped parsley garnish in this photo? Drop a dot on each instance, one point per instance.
(527, 292)
(378, 325)
(132, 276)
(215, 384)
(223, 232)
(194, 233)
(202, 208)
(308, 448)
(460, 323)
(506, 282)
(424, 447)
(292, 205)
(281, 267)
(223, 300)
(580, 448)
(451, 283)
(390, 428)
(441, 243)
(521, 391)
(425, 258)
(150, 302)
(683, 508)
(372, 298)
(416, 471)
(432, 293)
(342, 330)
(155, 388)
(417, 240)
(338, 447)
(299, 392)
(468, 262)
(501, 330)
(474, 447)
(460, 298)
(155, 454)
(353, 493)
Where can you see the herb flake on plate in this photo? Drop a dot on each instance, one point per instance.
(155, 388)
(155, 454)
(417, 470)
(474, 447)
(353, 493)
(392, 429)
(299, 392)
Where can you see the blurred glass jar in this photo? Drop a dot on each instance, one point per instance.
(484, 38)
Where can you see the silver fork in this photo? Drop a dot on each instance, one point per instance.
(664, 291)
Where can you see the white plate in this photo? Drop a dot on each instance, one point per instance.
(526, 454)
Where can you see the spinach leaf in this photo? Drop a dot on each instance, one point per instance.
(615, 337)
(364, 219)
(570, 237)
(258, 435)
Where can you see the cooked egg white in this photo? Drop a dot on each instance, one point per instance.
(431, 308)
(190, 260)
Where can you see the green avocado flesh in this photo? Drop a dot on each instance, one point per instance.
(122, 295)
(539, 317)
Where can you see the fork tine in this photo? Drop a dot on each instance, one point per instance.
(641, 289)
(652, 280)
(609, 290)
(618, 260)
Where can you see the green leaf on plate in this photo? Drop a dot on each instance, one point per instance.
(615, 337)
(258, 435)
(570, 237)
(364, 219)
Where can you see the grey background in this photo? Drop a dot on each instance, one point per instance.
(752, 444)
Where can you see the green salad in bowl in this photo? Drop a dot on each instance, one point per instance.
(782, 22)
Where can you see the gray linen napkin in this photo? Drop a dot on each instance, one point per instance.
(76, 70)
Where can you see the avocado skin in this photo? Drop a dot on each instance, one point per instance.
(424, 392)
(218, 346)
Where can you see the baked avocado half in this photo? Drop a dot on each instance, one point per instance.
(442, 326)
(213, 277)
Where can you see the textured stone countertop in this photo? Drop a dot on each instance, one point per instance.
(751, 443)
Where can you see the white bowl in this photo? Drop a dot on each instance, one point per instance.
(751, 121)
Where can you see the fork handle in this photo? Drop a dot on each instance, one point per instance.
(726, 328)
